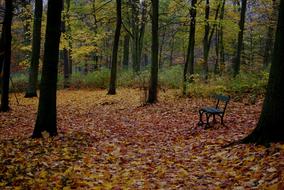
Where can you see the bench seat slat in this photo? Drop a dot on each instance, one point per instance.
(211, 110)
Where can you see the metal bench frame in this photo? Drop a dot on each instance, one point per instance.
(213, 111)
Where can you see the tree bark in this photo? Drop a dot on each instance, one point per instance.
(33, 73)
(217, 66)
(1, 55)
(189, 63)
(26, 19)
(112, 84)
(68, 30)
(66, 57)
(269, 127)
(126, 51)
(46, 115)
(221, 39)
(206, 40)
(162, 42)
(172, 45)
(269, 36)
(153, 89)
(138, 30)
(237, 59)
(7, 40)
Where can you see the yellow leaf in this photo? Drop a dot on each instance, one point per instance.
(43, 174)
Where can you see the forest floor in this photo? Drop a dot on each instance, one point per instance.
(112, 142)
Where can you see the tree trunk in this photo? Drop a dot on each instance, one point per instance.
(162, 42)
(7, 39)
(68, 30)
(237, 59)
(153, 89)
(138, 30)
(269, 36)
(26, 19)
(217, 66)
(206, 40)
(33, 73)
(221, 39)
(146, 59)
(46, 115)
(172, 45)
(269, 127)
(189, 63)
(142, 31)
(112, 84)
(1, 55)
(66, 57)
(126, 51)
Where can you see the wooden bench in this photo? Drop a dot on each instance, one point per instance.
(218, 110)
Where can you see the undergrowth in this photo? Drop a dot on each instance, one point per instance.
(251, 84)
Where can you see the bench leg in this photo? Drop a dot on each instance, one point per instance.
(214, 119)
(222, 120)
(207, 120)
(200, 118)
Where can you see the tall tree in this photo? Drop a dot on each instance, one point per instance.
(46, 115)
(26, 18)
(205, 39)
(33, 73)
(70, 39)
(138, 22)
(269, 127)
(221, 38)
(112, 84)
(153, 89)
(189, 63)
(269, 36)
(7, 39)
(1, 55)
(237, 59)
(66, 49)
(126, 51)
(208, 35)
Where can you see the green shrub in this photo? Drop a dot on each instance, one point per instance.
(125, 78)
(96, 79)
(252, 84)
(171, 77)
(18, 83)
(243, 84)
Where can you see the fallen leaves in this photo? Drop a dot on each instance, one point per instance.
(111, 142)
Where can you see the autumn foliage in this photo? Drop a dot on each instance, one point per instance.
(112, 142)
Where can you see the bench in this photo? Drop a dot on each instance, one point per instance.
(218, 110)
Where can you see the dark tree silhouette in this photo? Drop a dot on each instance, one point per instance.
(46, 115)
(206, 40)
(65, 28)
(189, 63)
(153, 90)
(1, 54)
(138, 25)
(126, 51)
(112, 84)
(237, 59)
(7, 39)
(33, 73)
(270, 35)
(270, 124)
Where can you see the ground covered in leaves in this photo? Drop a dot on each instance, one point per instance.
(112, 142)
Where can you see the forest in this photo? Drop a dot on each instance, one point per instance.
(142, 94)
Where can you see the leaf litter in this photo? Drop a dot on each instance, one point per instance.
(112, 142)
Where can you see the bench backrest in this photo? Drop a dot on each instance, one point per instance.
(222, 98)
